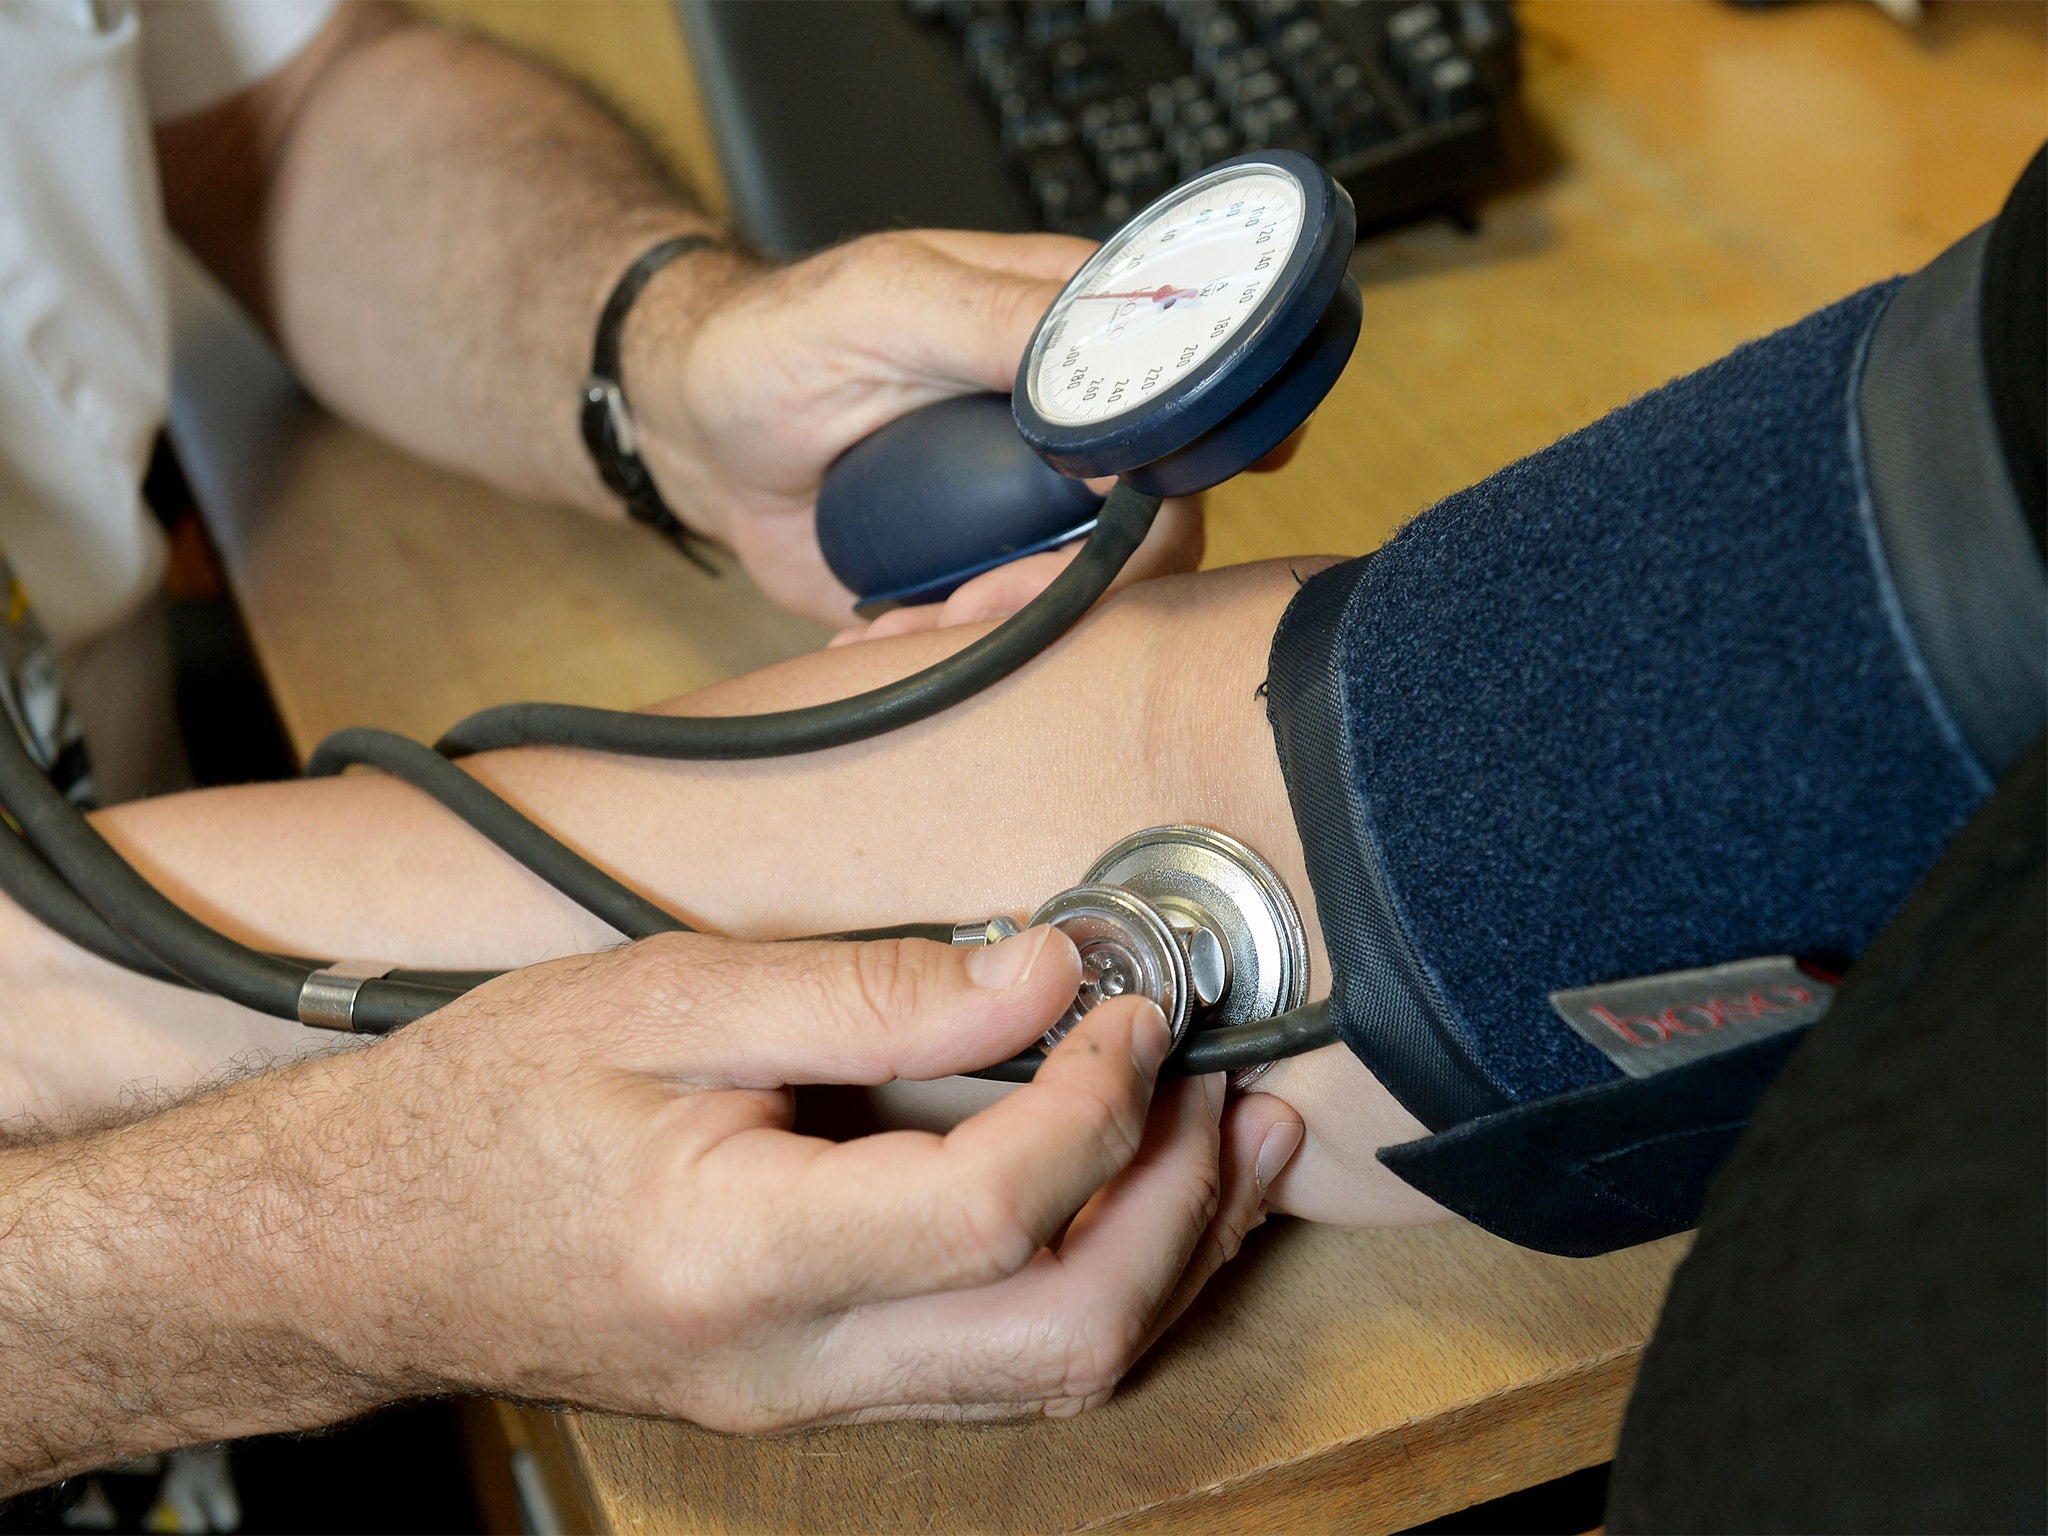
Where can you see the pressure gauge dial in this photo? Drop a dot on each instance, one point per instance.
(1185, 350)
(1202, 334)
(1164, 296)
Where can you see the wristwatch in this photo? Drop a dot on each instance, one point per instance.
(608, 430)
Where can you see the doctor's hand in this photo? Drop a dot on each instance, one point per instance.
(623, 1216)
(581, 1184)
(746, 391)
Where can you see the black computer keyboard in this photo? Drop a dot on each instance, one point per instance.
(839, 117)
(1102, 107)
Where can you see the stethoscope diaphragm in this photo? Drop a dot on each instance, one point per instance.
(1189, 917)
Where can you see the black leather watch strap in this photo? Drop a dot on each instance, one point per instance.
(608, 430)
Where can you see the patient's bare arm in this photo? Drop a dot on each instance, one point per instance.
(1147, 714)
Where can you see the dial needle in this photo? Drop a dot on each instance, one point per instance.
(1164, 295)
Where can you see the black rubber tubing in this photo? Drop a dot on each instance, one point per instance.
(38, 889)
(128, 922)
(42, 892)
(509, 828)
(1121, 526)
(1232, 1049)
(151, 922)
(554, 861)
(1126, 517)
(27, 880)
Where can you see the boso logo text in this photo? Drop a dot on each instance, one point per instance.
(1704, 1017)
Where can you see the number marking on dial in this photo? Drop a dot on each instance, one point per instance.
(1164, 296)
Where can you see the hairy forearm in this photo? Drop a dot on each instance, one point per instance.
(430, 224)
(161, 1283)
(579, 1185)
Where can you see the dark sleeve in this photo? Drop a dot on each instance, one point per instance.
(1603, 763)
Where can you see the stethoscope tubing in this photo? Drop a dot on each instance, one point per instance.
(62, 872)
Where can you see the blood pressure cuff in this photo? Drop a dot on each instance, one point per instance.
(1605, 764)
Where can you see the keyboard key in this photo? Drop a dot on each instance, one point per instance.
(1100, 115)
(1214, 39)
(1103, 103)
(1042, 132)
(1302, 36)
(1194, 150)
(1322, 78)
(1078, 71)
(1139, 174)
(1028, 124)
(1454, 86)
(1251, 90)
(989, 32)
(1169, 98)
(1411, 22)
(1275, 124)
(1000, 73)
(1482, 28)
(1190, 16)
(1237, 64)
(1421, 54)
(1122, 139)
(1335, 91)
(1047, 22)
(1356, 128)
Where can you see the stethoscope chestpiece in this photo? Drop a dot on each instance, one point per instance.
(1215, 892)
(1126, 947)
(1189, 917)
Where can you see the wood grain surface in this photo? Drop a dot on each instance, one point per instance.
(1695, 175)
(1336, 1381)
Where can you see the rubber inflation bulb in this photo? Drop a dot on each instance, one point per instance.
(938, 496)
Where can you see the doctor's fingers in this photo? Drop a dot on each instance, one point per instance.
(1261, 1134)
(902, 309)
(1056, 1337)
(827, 1226)
(1053, 258)
(731, 1013)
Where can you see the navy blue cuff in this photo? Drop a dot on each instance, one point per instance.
(1639, 704)
(1384, 1003)
(1599, 1168)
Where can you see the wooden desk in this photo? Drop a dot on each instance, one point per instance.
(1705, 175)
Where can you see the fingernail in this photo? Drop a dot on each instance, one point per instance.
(1005, 965)
(1149, 1040)
(1212, 1090)
(1281, 1143)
